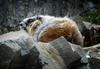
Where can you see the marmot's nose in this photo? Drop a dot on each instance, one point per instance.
(22, 26)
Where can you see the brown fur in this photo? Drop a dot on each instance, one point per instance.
(66, 28)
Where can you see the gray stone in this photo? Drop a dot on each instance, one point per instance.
(49, 56)
(79, 50)
(65, 51)
(94, 63)
(8, 50)
(72, 55)
(18, 51)
(93, 54)
(91, 33)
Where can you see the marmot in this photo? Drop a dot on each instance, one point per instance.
(48, 28)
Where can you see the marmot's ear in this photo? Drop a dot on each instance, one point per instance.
(39, 18)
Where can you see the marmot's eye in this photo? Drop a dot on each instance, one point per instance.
(20, 24)
(30, 20)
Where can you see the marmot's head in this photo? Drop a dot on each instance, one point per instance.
(30, 24)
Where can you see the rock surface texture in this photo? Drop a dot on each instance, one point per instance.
(19, 51)
(91, 33)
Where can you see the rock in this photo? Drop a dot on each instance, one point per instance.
(93, 53)
(49, 56)
(72, 55)
(91, 32)
(65, 49)
(80, 51)
(8, 50)
(34, 61)
(60, 54)
(94, 63)
(18, 51)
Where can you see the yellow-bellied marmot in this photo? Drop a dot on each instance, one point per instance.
(48, 28)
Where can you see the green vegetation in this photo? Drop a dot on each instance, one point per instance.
(92, 17)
